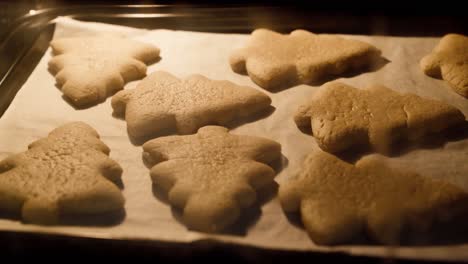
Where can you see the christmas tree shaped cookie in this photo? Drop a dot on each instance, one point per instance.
(211, 175)
(67, 173)
(339, 201)
(342, 117)
(163, 102)
(273, 60)
(90, 69)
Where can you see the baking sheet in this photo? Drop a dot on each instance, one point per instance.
(38, 108)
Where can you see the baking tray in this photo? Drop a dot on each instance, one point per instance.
(27, 40)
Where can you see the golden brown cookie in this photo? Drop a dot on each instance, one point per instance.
(449, 61)
(89, 69)
(339, 201)
(273, 60)
(68, 172)
(211, 175)
(162, 102)
(342, 117)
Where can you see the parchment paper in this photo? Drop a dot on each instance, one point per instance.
(38, 108)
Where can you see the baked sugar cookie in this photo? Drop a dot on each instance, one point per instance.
(339, 201)
(162, 102)
(211, 175)
(341, 117)
(67, 173)
(273, 60)
(90, 69)
(449, 61)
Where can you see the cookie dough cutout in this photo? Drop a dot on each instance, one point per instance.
(339, 202)
(161, 103)
(67, 173)
(449, 61)
(275, 61)
(211, 175)
(342, 117)
(90, 69)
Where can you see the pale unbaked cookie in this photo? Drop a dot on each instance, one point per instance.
(163, 102)
(89, 69)
(211, 175)
(339, 201)
(273, 60)
(342, 117)
(68, 172)
(449, 60)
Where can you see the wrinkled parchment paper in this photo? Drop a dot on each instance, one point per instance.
(38, 108)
